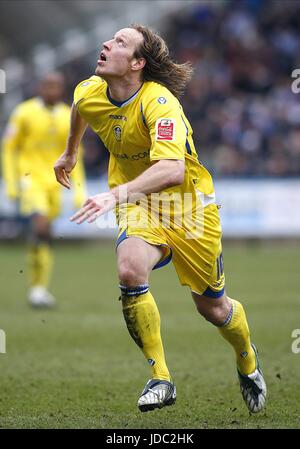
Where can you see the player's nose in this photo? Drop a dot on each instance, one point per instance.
(106, 45)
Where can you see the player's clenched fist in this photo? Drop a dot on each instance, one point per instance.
(94, 207)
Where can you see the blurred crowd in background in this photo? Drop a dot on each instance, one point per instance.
(245, 116)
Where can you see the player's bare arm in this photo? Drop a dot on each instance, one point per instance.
(68, 159)
(161, 175)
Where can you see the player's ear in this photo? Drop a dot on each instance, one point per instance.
(138, 64)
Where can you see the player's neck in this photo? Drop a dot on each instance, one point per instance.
(48, 103)
(122, 90)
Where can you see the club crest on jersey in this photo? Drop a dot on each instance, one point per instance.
(151, 362)
(85, 84)
(162, 100)
(118, 133)
(165, 129)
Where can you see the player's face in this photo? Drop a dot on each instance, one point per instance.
(52, 88)
(116, 58)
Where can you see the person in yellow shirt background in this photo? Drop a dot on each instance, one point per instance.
(35, 136)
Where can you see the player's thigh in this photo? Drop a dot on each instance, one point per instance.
(197, 260)
(136, 258)
(41, 206)
(33, 201)
(34, 205)
(40, 225)
(54, 202)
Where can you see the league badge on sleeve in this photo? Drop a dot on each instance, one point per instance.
(162, 100)
(165, 129)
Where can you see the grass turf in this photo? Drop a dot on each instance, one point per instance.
(76, 366)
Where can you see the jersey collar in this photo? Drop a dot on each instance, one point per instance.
(41, 103)
(119, 104)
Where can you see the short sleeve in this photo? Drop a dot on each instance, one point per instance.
(163, 116)
(83, 89)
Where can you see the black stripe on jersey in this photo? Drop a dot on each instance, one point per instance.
(187, 145)
(143, 117)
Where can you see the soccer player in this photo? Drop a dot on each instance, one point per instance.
(132, 104)
(33, 140)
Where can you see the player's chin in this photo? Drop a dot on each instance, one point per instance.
(98, 70)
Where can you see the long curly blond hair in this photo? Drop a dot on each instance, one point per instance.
(159, 66)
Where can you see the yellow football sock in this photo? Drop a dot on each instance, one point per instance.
(40, 264)
(143, 322)
(236, 332)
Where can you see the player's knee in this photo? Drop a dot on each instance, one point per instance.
(131, 273)
(40, 229)
(216, 314)
(43, 235)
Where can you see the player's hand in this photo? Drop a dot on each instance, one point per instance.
(94, 207)
(63, 167)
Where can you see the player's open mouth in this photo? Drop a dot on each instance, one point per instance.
(102, 58)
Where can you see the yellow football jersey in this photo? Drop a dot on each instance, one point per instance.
(34, 139)
(147, 127)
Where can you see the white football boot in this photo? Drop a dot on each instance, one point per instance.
(253, 387)
(39, 297)
(157, 394)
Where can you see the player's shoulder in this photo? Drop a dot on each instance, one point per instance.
(92, 81)
(63, 107)
(158, 94)
(88, 87)
(25, 107)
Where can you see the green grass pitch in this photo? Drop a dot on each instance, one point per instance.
(76, 366)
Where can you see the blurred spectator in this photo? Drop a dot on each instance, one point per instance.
(246, 118)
